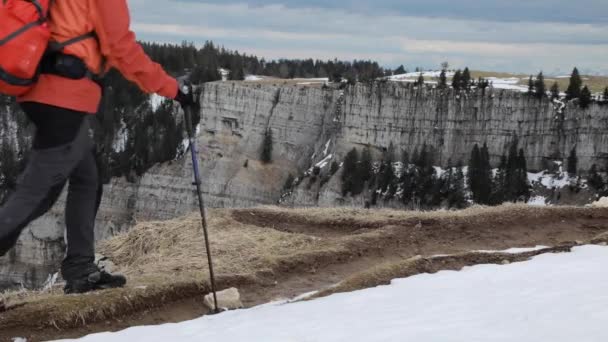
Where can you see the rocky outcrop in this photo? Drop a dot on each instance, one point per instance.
(313, 126)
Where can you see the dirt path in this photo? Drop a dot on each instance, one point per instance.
(365, 244)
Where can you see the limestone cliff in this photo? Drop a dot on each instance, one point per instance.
(313, 126)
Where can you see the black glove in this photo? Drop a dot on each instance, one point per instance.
(185, 99)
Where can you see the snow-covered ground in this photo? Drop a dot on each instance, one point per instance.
(557, 180)
(415, 75)
(253, 78)
(300, 81)
(510, 83)
(553, 297)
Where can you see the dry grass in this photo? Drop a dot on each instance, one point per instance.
(165, 261)
(384, 217)
(175, 249)
(61, 311)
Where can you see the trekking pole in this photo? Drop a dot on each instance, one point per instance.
(201, 204)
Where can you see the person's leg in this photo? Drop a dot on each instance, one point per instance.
(49, 165)
(84, 197)
(80, 212)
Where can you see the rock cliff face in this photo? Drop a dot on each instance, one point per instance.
(313, 126)
(452, 123)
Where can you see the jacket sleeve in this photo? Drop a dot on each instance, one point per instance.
(119, 47)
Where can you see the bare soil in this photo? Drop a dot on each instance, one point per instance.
(352, 248)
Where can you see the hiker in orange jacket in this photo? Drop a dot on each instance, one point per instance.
(60, 105)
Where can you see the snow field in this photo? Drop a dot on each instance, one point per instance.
(553, 297)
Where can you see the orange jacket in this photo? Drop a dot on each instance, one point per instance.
(116, 45)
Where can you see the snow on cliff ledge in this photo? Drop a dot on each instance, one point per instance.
(553, 297)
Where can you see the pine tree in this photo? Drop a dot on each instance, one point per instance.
(387, 174)
(522, 183)
(595, 180)
(457, 80)
(420, 80)
(334, 168)
(362, 172)
(443, 80)
(585, 98)
(511, 173)
(349, 171)
(267, 147)
(539, 85)
(288, 182)
(485, 176)
(499, 184)
(555, 91)
(414, 158)
(530, 85)
(482, 83)
(365, 166)
(400, 70)
(572, 162)
(456, 197)
(606, 94)
(474, 174)
(466, 79)
(423, 158)
(574, 88)
(405, 158)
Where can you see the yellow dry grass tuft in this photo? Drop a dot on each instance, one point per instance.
(175, 249)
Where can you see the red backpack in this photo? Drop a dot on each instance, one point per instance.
(24, 37)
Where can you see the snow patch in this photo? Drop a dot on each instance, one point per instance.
(557, 180)
(525, 301)
(515, 250)
(601, 203)
(324, 162)
(560, 105)
(50, 282)
(224, 73)
(253, 78)
(326, 147)
(538, 201)
(435, 73)
(439, 171)
(156, 101)
(119, 144)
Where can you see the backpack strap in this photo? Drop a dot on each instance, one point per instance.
(42, 17)
(41, 12)
(18, 32)
(57, 47)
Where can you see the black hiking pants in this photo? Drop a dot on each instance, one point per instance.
(63, 153)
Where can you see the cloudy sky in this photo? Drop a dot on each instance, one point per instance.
(502, 35)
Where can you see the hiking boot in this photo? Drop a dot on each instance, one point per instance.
(99, 280)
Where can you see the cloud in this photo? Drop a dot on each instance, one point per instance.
(581, 11)
(288, 31)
